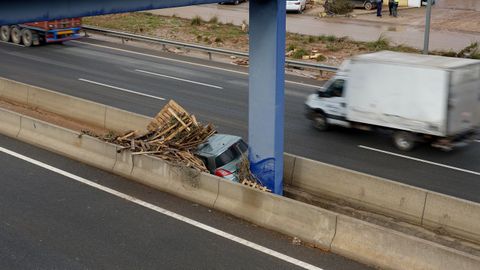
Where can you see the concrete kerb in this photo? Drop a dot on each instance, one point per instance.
(388, 249)
(309, 223)
(10, 123)
(68, 143)
(374, 193)
(456, 216)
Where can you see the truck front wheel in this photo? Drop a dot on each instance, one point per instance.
(5, 33)
(320, 122)
(404, 140)
(16, 34)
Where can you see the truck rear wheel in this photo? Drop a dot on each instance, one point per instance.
(320, 122)
(27, 37)
(5, 33)
(404, 140)
(16, 35)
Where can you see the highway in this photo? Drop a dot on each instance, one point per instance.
(142, 80)
(56, 213)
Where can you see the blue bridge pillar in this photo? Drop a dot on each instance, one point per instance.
(266, 91)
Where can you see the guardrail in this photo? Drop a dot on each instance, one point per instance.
(209, 50)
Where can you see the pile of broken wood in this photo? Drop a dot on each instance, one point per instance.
(173, 135)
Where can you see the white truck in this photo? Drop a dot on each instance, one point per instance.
(419, 98)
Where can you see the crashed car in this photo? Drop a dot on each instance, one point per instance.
(222, 155)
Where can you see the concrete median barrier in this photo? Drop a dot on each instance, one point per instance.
(183, 182)
(124, 162)
(309, 223)
(374, 193)
(288, 166)
(68, 143)
(123, 121)
(68, 106)
(458, 217)
(9, 123)
(388, 249)
(14, 91)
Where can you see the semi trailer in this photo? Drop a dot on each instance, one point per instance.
(36, 33)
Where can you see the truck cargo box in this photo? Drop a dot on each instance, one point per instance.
(425, 94)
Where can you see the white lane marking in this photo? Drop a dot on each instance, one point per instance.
(10, 43)
(182, 61)
(121, 89)
(420, 160)
(160, 210)
(178, 79)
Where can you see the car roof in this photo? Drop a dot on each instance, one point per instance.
(217, 144)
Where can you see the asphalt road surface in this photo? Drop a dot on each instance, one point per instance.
(142, 81)
(56, 213)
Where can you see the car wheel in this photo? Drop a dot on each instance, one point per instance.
(368, 6)
(404, 140)
(320, 122)
(236, 2)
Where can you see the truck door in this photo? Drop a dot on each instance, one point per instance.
(335, 105)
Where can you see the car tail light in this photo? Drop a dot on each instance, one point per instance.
(222, 173)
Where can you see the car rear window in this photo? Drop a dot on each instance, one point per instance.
(226, 157)
(235, 151)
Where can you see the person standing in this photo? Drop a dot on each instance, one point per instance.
(379, 8)
(395, 8)
(390, 6)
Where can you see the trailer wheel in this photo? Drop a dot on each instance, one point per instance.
(320, 122)
(27, 37)
(16, 35)
(5, 33)
(404, 140)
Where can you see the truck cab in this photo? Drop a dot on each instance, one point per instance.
(328, 105)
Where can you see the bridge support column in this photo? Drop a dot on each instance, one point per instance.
(266, 91)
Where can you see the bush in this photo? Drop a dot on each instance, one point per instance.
(471, 51)
(382, 43)
(299, 53)
(321, 58)
(196, 20)
(213, 20)
(338, 6)
(291, 47)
